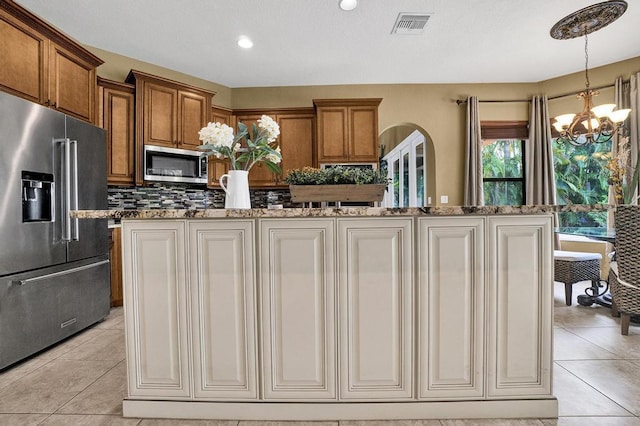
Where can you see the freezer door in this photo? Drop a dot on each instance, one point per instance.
(89, 237)
(40, 308)
(27, 131)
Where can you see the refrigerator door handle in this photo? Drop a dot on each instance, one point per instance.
(75, 230)
(65, 160)
(58, 274)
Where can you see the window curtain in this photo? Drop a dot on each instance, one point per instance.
(473, 195)
(634, 123)
(539, 175)
(627, 96)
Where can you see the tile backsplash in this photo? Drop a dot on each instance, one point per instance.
(170, 196)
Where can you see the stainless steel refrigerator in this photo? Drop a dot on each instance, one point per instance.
(54, 271)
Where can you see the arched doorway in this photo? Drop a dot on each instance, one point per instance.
(407, 153)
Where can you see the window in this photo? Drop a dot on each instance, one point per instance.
(503, 159)
(581, 178)
(502, 172)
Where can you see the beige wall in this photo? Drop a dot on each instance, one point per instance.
(116, 67)
(429, 106)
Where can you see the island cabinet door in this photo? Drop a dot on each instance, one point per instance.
(297, 287)
(375, 271)
(223, 320)
(451, 307)
(156, 308)
(519, 309)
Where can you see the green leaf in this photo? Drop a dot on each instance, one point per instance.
(273, 167)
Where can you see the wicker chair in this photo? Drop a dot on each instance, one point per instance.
(624, 276)
(572, 267)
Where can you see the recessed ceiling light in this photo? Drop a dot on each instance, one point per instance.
(245, 42)
(347, 4)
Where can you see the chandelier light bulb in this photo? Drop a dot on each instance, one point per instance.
(348, 4)
(558, 127)
(564, 120)
(594, 124)
(619, 116)
(603, 110)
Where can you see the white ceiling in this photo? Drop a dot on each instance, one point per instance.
(313, 42)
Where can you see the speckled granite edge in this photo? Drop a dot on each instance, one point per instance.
(332, 212)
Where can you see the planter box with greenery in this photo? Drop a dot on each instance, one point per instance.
(336, 184)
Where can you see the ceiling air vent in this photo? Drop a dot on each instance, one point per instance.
(410, 23)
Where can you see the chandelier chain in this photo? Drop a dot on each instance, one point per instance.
(586, 61)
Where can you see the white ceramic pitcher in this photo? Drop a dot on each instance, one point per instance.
(237, 189)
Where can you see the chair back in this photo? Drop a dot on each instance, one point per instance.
(627, 223)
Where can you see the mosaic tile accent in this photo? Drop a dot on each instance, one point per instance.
(174, 196)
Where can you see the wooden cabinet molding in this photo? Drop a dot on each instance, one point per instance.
(168, 113)
(49, 32)
(43, 65)
(116, 108)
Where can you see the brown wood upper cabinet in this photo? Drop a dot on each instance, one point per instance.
(116, 116)
(43, 65)
(219, 167)
(296, 141)
(347, 130)
(168, 113)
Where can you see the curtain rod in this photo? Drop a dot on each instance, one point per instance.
(564, 95)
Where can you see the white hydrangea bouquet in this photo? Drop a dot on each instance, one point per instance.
(218, 139)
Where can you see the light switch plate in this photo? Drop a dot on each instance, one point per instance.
(444, 199)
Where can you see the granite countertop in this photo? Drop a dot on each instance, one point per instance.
(333, 212)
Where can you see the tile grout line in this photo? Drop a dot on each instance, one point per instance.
(631, 414)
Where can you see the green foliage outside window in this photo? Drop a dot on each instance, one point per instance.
(502, 171)
(581, 178)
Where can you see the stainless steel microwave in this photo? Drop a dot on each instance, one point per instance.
(174, 165)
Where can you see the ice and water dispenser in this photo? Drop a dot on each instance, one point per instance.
(38, 192)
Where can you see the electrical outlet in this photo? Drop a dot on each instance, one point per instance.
(444, 199)
(428, 201)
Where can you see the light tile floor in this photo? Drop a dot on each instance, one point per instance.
(82, 380)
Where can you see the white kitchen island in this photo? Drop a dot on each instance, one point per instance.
(319, 314)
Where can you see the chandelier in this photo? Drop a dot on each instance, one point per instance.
(594, 124)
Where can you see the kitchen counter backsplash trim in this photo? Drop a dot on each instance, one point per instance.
(332, 212)
(159, 196)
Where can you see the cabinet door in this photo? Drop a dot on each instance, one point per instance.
(115, 259)
(375, 272)
(215, 171)
(451, 307)
(296, 141)
(193, 115)
(221, 115)
(160, 115)
(222, 286)
(24, 54)
(298, 309)
(259, 175)
(218, 167)
(519, 309)
(118, 121)
(333, 134)
(363, 134)
(72, 84)
(156, 308)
